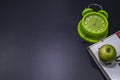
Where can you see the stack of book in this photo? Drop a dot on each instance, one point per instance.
(111, 71)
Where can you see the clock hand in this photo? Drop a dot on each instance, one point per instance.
(95, 21)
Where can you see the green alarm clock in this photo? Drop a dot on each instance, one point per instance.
(94, 24)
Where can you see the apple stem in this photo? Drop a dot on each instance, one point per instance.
(108, 49)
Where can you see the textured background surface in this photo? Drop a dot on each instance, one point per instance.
(39, 40)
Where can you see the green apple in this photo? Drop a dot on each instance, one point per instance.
(107, 53)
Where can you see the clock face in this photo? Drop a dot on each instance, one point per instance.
(94, 23)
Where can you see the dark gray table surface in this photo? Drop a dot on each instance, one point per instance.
(39, 39)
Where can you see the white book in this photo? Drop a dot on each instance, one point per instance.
(111, 71)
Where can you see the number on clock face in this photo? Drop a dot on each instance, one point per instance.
(94, 23)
